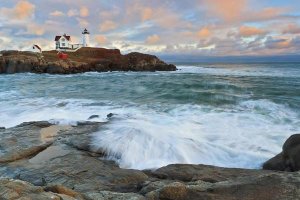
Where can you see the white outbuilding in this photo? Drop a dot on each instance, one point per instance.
(62, 42)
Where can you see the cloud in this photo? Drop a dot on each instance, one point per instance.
(159, 13)
(35, 29)
(72, 12)
(108, 25)
(57, 13)
(83, 23)
(291, 29)
(84, 11)
(280, 43)
(147, 13)
(204, 33)
(153, 39)
(239, 11)
(228, 10)
(270, 13)
(249, 31)
(101, 39)
(214, 27)
(22, 10)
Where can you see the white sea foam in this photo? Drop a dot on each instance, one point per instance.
(144, 137)
(67, 111)
(239, 70)
(241, 137)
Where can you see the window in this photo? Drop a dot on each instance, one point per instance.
(63, 44)
(63, 39)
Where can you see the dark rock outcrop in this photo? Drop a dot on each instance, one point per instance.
(93, 117)
(110, 115)
(83, 60)
(70, 168)
(289, 158)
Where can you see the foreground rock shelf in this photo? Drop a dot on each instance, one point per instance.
(40, 160)
(84, 60)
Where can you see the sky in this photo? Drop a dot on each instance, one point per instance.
(163, 27)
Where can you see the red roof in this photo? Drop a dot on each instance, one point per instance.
(66, 36)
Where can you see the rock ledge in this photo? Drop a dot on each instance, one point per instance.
(84, 60)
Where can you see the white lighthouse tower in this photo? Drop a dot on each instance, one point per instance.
(86, 38)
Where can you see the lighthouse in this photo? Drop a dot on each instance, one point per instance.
(86, 38)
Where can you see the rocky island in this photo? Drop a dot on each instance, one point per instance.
(40, 160)
(86, 59)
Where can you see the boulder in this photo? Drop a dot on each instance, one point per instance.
(175, 191)
(212, 174)
(110, 115)
(16, 189)
(93, 117)
(289, 158)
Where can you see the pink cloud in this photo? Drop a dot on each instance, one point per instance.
(147, 13)
(101, 39)
(84, 12)
(280, 43)
(291, 29)
(248, 31)
(22, 10)
(57, 13)
(229, 10)
(153, 39)
(204, 33)
(108, 25)
(265, 14)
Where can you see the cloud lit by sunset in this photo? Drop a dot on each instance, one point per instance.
(195, 27)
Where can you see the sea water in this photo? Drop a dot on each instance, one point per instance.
(229, 115)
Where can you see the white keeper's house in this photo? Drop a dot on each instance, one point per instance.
(64, 42)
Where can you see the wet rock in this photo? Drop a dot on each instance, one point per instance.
(22, 142)
(110, 115)
(2, 128)
(289, 158)
(62, 164)
(275, 163)
(93, 117)
(106, 195)
(16, 189)
(186, 173)
(263, 187)
(255, 187)
(153, 185)
(174, 191)
(59, 189)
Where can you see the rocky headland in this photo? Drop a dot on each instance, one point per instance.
(40, 160)
(84, 60)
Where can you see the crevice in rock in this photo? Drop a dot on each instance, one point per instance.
(27, 153)
(59, 189)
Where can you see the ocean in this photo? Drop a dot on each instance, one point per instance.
(229, 115)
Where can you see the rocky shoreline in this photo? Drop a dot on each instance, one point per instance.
(84, 60)
(40, 160)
